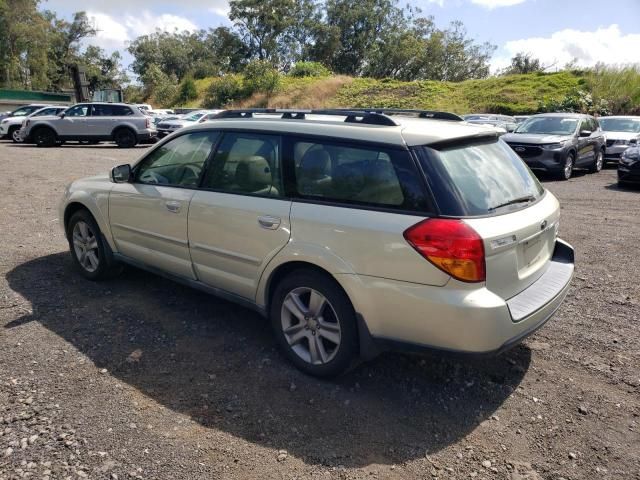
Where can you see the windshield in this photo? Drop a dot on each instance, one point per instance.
(549, 126)
(631, 125)
(194, 117)
(480, 179)
(24, 111)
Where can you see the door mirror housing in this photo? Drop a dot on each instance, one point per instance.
(585, 133)
(62, 114)
(122, 174)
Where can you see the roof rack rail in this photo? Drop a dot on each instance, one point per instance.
(352, 115)
(432, 114)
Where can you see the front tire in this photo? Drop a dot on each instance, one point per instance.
(14, 134)
(567, 168)
(125, 138)
(90, 252)
(44, 137)
(314, 323)
(598, 163)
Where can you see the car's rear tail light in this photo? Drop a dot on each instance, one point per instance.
(451, 245)
(148, 123)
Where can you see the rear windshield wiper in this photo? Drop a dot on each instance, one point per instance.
(525, 199)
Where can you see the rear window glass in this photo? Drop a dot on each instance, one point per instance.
(479, 179)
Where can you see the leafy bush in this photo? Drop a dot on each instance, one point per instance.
(165, 94)
(309, 69)
(224, 90)
(188, 90)
(260, 77)
(577, 101)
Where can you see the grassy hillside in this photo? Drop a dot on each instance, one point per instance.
(514, 94)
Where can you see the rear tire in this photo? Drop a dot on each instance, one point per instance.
(13, 134)
(314, 323)
(598, 163)
(44, 137)
(125, 138)
(91, 254)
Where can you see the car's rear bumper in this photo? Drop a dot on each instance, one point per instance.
(147, 135)
(456, 318)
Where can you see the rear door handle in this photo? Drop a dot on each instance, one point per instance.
(269, 222)
(173, 207)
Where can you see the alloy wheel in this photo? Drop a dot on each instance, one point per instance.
(15, 136)
(599, 161)
(311, 326)
(85, 246)
(568, 167)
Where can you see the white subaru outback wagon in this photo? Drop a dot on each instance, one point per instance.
(352, 231)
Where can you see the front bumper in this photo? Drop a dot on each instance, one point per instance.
(628, 174)
(541, 159)
(614, 152)
(4, 130)
(456, 318)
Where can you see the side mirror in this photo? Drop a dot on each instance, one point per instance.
(62, 114)
(585, 133)
(121, 174)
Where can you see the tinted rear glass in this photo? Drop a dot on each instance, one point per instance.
(479, 179)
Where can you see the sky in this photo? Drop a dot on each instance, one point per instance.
(555, 31)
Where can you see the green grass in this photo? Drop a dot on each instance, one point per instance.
(513, 94)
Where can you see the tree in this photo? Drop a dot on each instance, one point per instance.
(103, 71)
(64, 45)
(524, 63)
(352, 31)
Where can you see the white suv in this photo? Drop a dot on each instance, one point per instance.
(352, 231)
(93, 122)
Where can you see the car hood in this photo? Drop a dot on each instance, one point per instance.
(621, 135)
(535, 138)
(178, 123)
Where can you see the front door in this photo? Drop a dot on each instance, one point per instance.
(75, 122)
(148, 217)
(239, 219)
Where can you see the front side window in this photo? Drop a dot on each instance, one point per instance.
(246, 163)
(77, 111)
(178, 162)
(479, 179)
(359, 175)
(45, 112)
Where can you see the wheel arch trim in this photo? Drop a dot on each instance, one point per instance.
(97, 208)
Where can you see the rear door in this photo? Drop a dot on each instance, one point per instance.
(239, 219)
(148, 217)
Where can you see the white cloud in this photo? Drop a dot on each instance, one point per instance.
(491, 4)
(114, 31)
(606, 44)
(220, 7)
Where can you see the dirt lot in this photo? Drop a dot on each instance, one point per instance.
(142, 378)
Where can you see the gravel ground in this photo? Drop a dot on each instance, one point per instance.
(139, 377)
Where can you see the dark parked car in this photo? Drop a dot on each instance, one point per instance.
(629, 167)
(621, 133)
(559, 142)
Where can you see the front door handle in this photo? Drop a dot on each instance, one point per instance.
(173, 207)
(269, 222)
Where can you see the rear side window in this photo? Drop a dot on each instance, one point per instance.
(479, 179)
(356, 174)
(111, 111)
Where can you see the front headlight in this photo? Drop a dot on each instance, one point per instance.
(630, 156)
(5, 121)
(554, 146)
